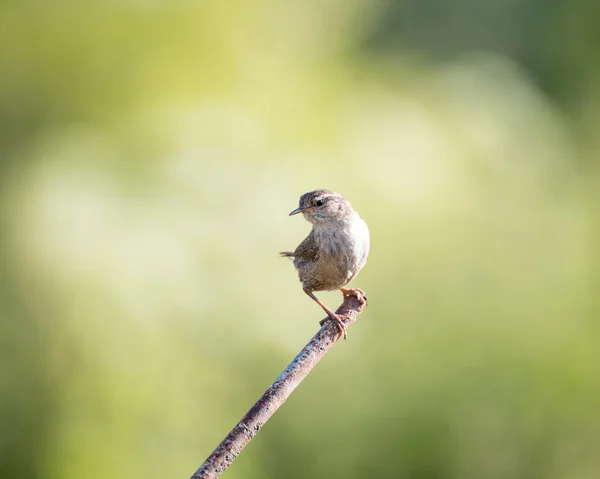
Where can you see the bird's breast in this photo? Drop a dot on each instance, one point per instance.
(343, 249)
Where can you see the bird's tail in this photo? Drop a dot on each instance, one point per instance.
(287, 254)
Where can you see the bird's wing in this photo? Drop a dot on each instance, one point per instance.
(307, 250)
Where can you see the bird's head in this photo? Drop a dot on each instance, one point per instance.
(321, 207)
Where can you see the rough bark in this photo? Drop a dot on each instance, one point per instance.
(280, 390)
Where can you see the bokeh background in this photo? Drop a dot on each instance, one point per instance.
(150, 153)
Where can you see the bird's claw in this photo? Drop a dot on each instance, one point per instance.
(337, 318)
(359, 293)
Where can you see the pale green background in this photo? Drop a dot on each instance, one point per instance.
(150, 152)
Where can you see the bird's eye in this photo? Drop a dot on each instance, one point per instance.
(319, 202)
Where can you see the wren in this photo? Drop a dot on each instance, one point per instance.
(335, 250)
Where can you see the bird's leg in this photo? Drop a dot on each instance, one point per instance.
(359, 293)
(331, 314)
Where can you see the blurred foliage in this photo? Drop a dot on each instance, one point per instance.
(150, 152)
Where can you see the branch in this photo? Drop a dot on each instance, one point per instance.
(284, 385)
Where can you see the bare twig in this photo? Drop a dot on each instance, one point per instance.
(279, 391)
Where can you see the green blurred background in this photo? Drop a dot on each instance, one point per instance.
(150, 153)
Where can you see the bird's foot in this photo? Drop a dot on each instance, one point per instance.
(359, 293)
(338, 320)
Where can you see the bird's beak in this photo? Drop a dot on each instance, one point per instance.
(301, 210)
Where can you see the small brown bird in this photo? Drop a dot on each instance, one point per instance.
(335, 250)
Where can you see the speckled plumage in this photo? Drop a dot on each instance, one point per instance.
(337, 247)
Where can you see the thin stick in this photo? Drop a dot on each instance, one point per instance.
(280, 390)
